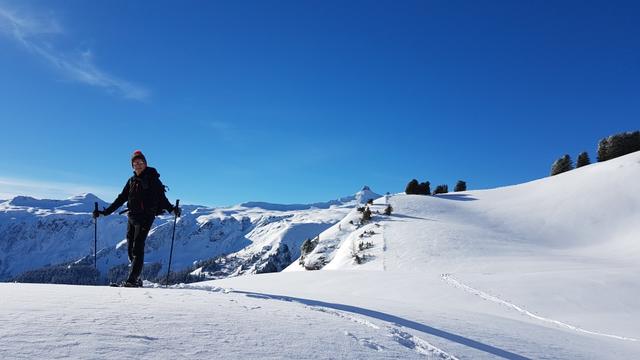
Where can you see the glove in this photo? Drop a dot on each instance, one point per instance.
(176, 210)
(97, 213)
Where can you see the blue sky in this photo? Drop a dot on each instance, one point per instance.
(305, 101)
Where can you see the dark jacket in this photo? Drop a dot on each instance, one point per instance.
(144, 195)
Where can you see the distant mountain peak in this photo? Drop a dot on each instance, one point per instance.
(79, 203)
(84, 197)
(365, 195)
(22, 200)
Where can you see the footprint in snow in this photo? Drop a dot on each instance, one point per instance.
(418, 345)
(367, 342)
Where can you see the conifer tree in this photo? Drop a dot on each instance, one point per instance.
(618, 145)
(583, 159)
(441, 189)
(424, 188)
(603, 150)
(412, 187)
(561, 165)
(460, 186)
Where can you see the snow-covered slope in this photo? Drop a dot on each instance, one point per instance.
(545, 269)
(592, 211)
(246, 238)
(542, 270)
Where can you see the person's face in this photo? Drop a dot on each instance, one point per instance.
(139, 166)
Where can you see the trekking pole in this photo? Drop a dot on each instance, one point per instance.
(95, 241)
(175, 219)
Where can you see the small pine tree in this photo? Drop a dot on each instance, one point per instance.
(424, 188)
(603, 150)
(366, 215)
(460, 186)
(561, 165)
(412, 187)
(583, 159)
(388, 210)
(441, 189)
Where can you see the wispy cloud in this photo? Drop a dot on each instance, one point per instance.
(11, 187)
(38, 34)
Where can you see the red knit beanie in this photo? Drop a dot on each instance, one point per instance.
(138, 155)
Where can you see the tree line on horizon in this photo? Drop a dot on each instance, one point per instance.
(609, 148)
(417, 188)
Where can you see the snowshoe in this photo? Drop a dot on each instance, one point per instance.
(137, 284)
(130, 284)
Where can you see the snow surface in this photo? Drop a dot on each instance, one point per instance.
(542, 270)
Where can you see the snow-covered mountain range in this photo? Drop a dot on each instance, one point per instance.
(247, 238)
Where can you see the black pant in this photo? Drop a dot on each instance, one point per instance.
(137, 230)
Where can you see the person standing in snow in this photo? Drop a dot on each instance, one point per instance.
(145, 197)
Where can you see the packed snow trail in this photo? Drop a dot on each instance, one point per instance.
(450, 280)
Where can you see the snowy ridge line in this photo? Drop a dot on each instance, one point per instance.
(450, 280)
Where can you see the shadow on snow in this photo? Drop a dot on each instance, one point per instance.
(457, 197)
(393, 319)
